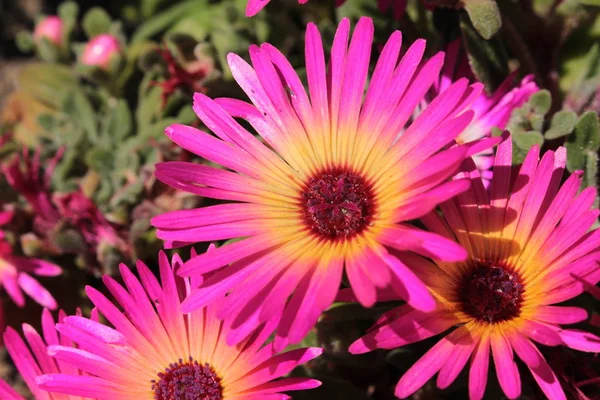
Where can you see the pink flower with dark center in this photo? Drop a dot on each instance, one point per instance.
(530, 246)
(32, 360)
(100, 50)
(333, 188)
(50, 28)
(154, 351)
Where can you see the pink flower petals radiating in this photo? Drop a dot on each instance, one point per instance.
(348, 120)
(151, 333)
(31, 357)
(552, 249)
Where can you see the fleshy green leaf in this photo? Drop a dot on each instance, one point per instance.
(488, 58)
(541, 102)
(590, 176)
(24, 41)
(485, 16)
(562, 124)
(585, 138)
(523, 141)
(95, 22)
(68, 10)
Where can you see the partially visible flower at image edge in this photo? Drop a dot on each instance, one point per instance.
(156, 351)
(32, 360)
(339, 181)
(491, 111)
(15, 272)
(529, 248)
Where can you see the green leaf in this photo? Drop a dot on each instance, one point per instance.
(523, 141)
(590, 2)
(24, 41)
(485, 16)
(46, 121)
(541, 102)
(562, 124)
(526, 140)
(165, 19)
(487, 58)
(118, 123)
(584, 139)
(590, 176)
(95, 22)
(100, 160)
(68, 10)
(46, 50)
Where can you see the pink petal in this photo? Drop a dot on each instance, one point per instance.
(506, 368)
(478, 372)
(36, 291)
(428, 365)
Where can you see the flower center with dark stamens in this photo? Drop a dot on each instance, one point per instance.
(187, 381)
(338, 204)
(491, 293)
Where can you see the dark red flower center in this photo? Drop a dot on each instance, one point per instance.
(491, 293)
(187, 381)
(338, 204)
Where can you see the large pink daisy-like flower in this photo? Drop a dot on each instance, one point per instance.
(15, 273)
(156, 351)
(529, 248)
(331, 188)
(32, 359)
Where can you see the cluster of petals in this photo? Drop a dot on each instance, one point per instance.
(152, 347)
(529, 236)
(16, 271)
(31, 357)
(333, 176)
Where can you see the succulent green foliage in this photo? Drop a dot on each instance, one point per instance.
(529, 126)
(562, 124)
(224, 25)
(485, 16)
(527, 123)
(582, 147)
(95, 22)
(487, 58)
(583, 91)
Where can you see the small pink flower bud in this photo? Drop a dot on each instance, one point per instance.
(50, 28)
(100, 50)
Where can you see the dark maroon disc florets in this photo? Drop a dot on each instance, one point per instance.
(187, 381)
(491, 293)
(338, 204)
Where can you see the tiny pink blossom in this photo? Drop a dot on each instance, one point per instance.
(50, 28)
(100, 50)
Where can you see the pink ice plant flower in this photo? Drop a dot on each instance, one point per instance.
(332, 188)
(491, 111)
(530, 249)
(15, 272)
(50, 28)
(32, 360)
(100, 51)
(155, 351)
(398, 6)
